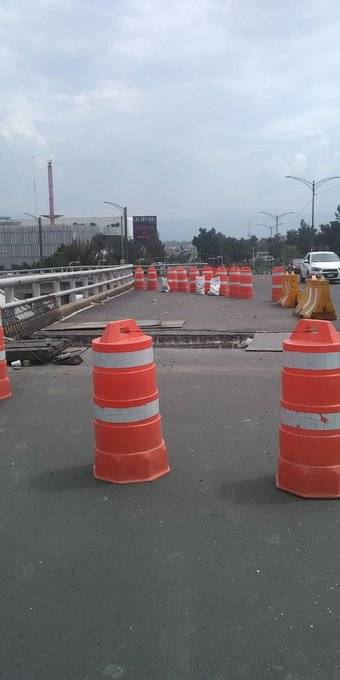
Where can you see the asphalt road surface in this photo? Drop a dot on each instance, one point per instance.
(208, 573)
(202, 312)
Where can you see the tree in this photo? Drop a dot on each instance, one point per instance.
(211, 244)
(303, 238)
(329, 236)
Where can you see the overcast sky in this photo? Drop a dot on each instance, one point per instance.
(180, 108)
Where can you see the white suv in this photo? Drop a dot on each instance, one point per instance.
(325, 264)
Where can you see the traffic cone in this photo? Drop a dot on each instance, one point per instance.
(129, 446)
(152, 278)
(224, 287)
(309, 452)
(139, 278)
(234, 281)
(5, 387)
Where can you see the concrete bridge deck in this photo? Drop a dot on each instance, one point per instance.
(208, 573)
(200, 312)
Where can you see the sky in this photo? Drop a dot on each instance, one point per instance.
(193, 110)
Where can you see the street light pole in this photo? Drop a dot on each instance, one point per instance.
(276, 218)
(268, 226)
(125, 221)
(123, 228)
(40, 234)
(313, 185)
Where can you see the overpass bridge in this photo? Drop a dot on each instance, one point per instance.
(210, 572)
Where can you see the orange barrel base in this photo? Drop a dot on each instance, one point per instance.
(144, 466)
(308, 463)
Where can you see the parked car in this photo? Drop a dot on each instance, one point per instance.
(320, 263)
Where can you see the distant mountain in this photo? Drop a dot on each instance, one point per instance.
(229, 222)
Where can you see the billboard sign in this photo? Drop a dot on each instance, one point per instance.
(144, 227)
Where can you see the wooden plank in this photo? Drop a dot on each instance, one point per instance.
(34, 351)
(100, 325)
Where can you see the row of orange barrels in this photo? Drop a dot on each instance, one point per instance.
(235, 282)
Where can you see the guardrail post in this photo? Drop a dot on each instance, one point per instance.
(85, 282)
(56, 289)
(95, 280)
(9, 294)
(36, 291)
(108, 277)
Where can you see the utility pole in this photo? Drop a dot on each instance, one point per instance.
(276, 218)
(313, 185)
(40, 235)
(125, 221)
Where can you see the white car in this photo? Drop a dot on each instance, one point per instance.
(325, 264)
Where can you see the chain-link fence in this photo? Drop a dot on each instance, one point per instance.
(21, 321)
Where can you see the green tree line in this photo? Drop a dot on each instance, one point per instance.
(296, 243)
(102, 249)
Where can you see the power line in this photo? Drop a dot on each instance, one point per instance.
(325, 191)
(304, 208)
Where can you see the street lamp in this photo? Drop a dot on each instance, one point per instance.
(276, 218)
(268, 226)
(312, 185)
(123, 224)
(39, 220)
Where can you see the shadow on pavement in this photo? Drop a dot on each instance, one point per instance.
(258, 490)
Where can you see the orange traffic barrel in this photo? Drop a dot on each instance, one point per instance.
(224, 287)
(182, 278)
(246, 283)
(172, 280)
(5, 388)
(277, 281)
(152, 278)
(193, 274)
(309, 453)
(208, 274)
(129, 445)
(234, 282)
(139, 278)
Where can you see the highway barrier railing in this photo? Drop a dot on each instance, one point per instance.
(71, 291)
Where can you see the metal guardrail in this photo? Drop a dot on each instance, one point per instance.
(91, 279)
(22, 317)
(47, 270)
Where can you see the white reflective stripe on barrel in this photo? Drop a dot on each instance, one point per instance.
(277, 285)
(317, 361)
(2, 355)
(127, 415)
(123, 359)
(310, 421)
(245, 285)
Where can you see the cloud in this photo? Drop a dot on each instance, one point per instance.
(172, 107)
(17, 128)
